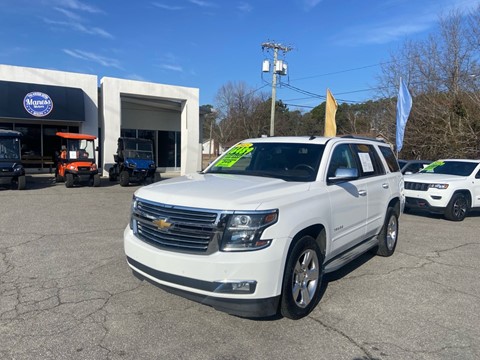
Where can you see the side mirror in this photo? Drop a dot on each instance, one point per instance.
(344, 174)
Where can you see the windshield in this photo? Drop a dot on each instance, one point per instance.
(286, 161)
(82, 150)
(9, 149)
(460, 168)
(135, 149)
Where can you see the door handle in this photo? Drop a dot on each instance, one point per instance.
(385, 186)
(362, 192)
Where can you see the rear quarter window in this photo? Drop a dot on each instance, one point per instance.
(390, 158)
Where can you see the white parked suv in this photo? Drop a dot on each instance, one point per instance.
(253, 234)
(450, 187)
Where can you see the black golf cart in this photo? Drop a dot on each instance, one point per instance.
(12, 172)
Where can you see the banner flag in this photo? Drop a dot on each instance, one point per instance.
(404, 105)
(330, 111)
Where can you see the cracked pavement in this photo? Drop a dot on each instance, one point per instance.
(66, 292)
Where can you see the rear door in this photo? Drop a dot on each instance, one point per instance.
(378, 187)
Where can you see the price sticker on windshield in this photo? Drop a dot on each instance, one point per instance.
(432, 166)
(235, 154)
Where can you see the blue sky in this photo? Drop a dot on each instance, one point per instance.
(205, 44)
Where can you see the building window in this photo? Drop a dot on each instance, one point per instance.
(128, 133)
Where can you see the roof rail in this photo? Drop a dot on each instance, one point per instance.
(363, 138)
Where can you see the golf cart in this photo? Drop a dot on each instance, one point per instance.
(76, 161)
(11, 168)
(134, 162)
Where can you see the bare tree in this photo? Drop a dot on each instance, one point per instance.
(240, 113)
(444, 118)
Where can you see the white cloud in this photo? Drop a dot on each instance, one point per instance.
(310, 4)
(135, 77)
(69, 14)
(383, 34)
(89, 56)
(244, 7)
(177, 68)
(78, 5)
(403, 23)
(81, 28)
(167, 7)
(202, 3)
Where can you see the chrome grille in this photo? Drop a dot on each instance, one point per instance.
(416, 186)
(176, 228)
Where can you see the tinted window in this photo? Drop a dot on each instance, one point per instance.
(286, 161)
(342, 158)
(390, 158)
(460, 168)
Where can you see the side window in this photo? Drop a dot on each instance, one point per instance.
(370, 163)
(342, 157)
(478, 175)
(390, 158)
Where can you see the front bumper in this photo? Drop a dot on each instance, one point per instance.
(138, 175)
(6, 179)
(208, 278)
(417, 203)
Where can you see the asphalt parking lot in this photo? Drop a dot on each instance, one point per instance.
(66, 292)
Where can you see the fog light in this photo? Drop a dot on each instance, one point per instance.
(237, 287)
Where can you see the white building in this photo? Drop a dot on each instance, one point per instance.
(169, 115)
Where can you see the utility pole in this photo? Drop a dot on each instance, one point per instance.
(276, 70)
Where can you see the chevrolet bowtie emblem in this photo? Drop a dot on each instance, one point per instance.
(162, 223)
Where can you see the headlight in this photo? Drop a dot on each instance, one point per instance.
(93, 167)
(152, 166)
(133, 207)
(438, 186)
(71, 167)
(131, 165)
(244, 230)
(17, 168)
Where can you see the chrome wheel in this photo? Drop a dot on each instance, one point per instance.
(392, 230)
(305, 280)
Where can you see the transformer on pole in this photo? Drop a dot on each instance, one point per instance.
(279, 68)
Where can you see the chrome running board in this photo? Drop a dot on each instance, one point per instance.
(337, 262)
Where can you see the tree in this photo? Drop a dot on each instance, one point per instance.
(241, 113)
(444, 120)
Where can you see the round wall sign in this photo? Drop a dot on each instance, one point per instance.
(38, 104)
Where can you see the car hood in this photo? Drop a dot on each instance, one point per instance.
(223, 192)
(433, 178)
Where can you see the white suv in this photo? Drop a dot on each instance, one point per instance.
(450, 187)
(253, 234)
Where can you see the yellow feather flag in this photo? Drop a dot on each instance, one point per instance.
(330, 111)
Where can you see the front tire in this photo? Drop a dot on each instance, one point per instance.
(69, 180)
(21, 182)
(387, 239)
(124, 178)
(96, 180)
(457, 208)
(302, 279)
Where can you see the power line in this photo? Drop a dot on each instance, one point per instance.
(343, 71)
(323, 97)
